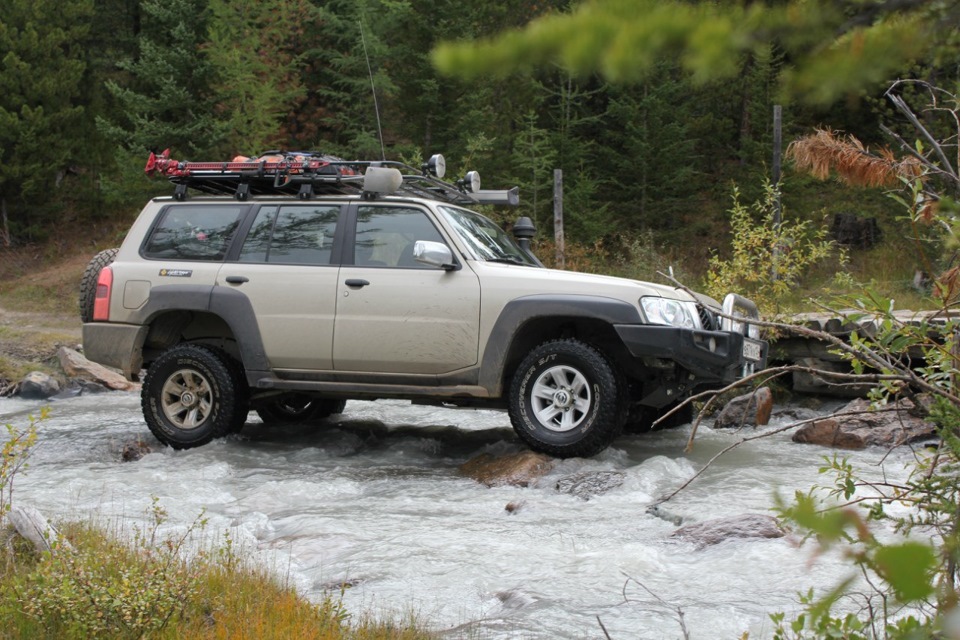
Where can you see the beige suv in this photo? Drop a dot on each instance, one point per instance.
(386, 288)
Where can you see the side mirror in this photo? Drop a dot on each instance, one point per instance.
(433, 254)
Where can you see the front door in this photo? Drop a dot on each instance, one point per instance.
(395, 315)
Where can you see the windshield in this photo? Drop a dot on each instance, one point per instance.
(484, 239)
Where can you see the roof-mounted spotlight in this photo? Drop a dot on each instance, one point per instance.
(470, 182)
(436, 166)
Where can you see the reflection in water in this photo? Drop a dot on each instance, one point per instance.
(374, 499)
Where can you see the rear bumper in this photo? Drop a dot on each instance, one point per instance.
(711, 356)
(115, 345)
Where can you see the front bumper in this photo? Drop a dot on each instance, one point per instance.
(115, 345)
(710, 356)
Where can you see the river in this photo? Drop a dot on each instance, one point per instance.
(374, 499)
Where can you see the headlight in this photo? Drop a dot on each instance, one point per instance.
(674, 313)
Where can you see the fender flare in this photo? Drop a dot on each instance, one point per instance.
(520, 311)
(232, 306)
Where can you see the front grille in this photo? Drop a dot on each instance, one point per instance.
(707, 320)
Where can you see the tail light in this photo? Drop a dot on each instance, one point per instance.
(101, 303)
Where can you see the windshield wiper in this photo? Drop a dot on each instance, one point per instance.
(508, 261)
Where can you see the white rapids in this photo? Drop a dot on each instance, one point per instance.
(374, 500)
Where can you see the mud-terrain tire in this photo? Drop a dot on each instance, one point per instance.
(240, 384)
(88, 282)
(566, 400)
(189, 397)
(294, 408)
(642, 418)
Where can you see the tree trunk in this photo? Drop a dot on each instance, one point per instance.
(4, 223)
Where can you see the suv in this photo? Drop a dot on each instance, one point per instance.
(301, 281)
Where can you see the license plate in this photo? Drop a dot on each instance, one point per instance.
(752, 350)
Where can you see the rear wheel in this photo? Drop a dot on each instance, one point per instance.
(88, 282)
(294, 408)
(189, 397)
(566, 400)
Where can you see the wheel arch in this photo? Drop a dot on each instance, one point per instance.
(223, 318)
(529, 321)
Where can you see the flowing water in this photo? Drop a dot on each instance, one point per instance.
(374, 500)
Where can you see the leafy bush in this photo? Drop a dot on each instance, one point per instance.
(768, 259)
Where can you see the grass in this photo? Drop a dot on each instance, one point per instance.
(133, 586)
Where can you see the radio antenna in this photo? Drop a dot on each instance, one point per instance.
(373, 90)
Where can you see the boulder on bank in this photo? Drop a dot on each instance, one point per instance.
(749, 410)
(37, 385)
(589, 484)
(751, 525)
(857, 426)
(75, 365)
(516, 469)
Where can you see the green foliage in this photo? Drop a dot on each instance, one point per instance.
(836, 48)
(768, 260)
(77, 593)
(14, 456)
(165, 101)
(42, 69)
(253, 49)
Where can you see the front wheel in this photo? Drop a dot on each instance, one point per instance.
(189, 397)
(566, 400)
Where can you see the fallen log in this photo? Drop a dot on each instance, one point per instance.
(31, 524)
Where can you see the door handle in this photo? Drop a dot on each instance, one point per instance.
(237, 279)
(356, 282)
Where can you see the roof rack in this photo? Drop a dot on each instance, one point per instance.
(308, 173)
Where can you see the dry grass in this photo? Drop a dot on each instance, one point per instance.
(224, 597)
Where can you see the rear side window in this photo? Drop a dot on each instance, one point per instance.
(191, 232)
(295, 234)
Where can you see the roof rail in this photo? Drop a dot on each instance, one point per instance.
(307, 173)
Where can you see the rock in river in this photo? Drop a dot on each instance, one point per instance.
(749, 410)
(857, 426)
(38, 386)
(589, 484)
(517, 469)
(74, 364)
(751, 525)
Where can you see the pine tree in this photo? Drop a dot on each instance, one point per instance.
(167, 100)
(41, 71)
(255, 50)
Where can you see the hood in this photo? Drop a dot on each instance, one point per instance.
(539, 280)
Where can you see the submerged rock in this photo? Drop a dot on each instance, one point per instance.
(133, 451)
(749, 410)
(37, 385)
(74, 364)
(76, 388)
(589, 484)
(751, 525)
(857, 426)
(517, 469)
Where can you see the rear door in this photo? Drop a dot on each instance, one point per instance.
(286, 266)
(395, 315)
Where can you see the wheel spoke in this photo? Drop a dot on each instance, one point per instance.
(558, 374)
(579, 385)
(568, 421)
(541, 390)
(547, 414)
(582, 405)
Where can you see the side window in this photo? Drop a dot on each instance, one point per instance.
(386, 235)
(296, 234)
(192, 232)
